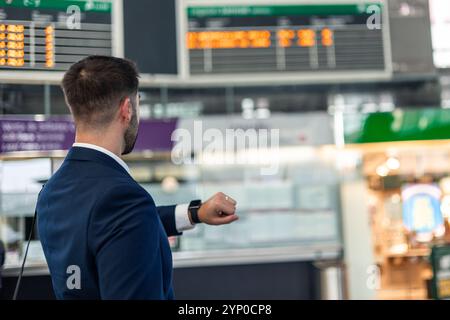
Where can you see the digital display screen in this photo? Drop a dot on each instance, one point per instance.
(277, 38)
(52, 34)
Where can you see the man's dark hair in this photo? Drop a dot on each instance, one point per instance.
(96, 85)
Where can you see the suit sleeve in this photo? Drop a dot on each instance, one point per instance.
(125, 234)
(167, 215)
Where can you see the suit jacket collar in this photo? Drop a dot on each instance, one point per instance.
(87, 154)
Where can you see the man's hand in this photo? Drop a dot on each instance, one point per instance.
(219, 209)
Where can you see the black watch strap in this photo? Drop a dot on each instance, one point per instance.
(193, 209)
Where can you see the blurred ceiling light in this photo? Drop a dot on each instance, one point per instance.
(247, 106)
(170, 184)
(373, 200)
(400, 248)
(405, 9)
(262, 108)
(396, 198)
(382, 170)
(425, 237)
(445, 185)
(262, 113)
(347, 159)
(439, 232)
(445, 206)
(393, 163)
(369, 107)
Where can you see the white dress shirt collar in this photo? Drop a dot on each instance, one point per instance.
(105, 151)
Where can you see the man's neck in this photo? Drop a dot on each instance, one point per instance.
(108, 143)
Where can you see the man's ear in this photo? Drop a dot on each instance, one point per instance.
(125, 110)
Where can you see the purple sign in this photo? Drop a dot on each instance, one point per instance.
(155, 135)
(31, 134)
(58, 133)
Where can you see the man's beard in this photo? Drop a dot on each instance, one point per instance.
(130, 135)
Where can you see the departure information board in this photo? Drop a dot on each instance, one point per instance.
(293, 37)
(53, 34)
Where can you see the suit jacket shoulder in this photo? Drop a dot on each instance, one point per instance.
(93, 217)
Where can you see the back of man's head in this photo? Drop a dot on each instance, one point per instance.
(95, 86)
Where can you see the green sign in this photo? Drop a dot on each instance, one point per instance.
(399, 125)
(61, 5)
(278, 10)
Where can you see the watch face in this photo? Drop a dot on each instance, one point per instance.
(195, 204)
(193, 208)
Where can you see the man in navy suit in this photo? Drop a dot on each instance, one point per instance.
(102, 234)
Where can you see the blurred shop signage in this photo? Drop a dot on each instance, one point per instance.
(21, 134)
(155, 135)
(398, 125)
(58, 133)
(421, 210)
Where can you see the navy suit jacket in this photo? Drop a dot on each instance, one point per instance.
(99, 226)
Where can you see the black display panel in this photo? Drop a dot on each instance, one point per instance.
(53, 34)
(150, 35)
(295, 37)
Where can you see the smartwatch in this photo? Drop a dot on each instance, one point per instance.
(193, 209)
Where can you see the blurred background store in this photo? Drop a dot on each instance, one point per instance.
(359, 204)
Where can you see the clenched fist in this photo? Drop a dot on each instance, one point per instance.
(217, 210)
